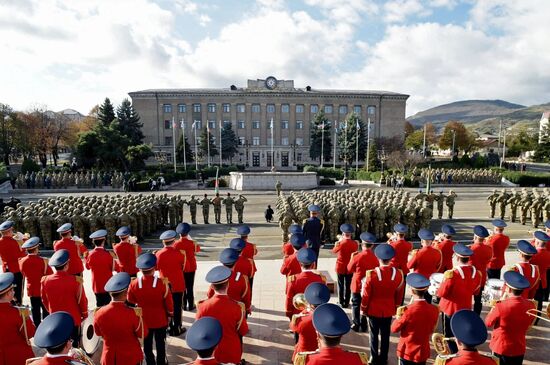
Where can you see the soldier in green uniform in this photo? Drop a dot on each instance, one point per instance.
(45, 222)
(379, 220)
(425, 216)
(239, 207)
(217, 203)
(229, 202)
(502, 201)
(193, 208)
(450, 201)
(440, 203)
(278, 186)
(173, 208)
(205, 202)
(514, 202)
(110, 225)
(492, 199)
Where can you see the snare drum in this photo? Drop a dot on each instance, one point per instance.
(90, 341)
(435, 282)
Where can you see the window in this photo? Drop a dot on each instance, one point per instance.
(168, 141)
(255, 141)
(256, 159)
(269, 140)
(299, 124)
(167, 124)
(212, 124)
(371, 110)
(242, 141)
(196, 108)
(299, 141)
(328, 109)
(198, 124)
(284, 124)
(357, 109)
(241, 108)
(211, 107)
(299, 108)
(270, 108)
(284, 141)
(314, 108)
(226, 108)
(226, 123)
(168, 157)
(343, 109)
(182, 108)
(299, 157)
(285, 108)
(255, 124)
(240, 124)
(167, 108)
(255, 108)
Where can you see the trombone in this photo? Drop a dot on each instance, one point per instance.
(544, 315)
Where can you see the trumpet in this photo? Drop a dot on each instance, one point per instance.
(544, 315)
(441, 344)
(299, 301)
(391, 236)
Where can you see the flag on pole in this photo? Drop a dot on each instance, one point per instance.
(174, 124)
(216, 182)
(194, 125)
(358, 126)
(208, 127)
(182, 124)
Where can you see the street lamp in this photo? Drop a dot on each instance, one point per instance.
(160, 157)
(246, 147)
(382, 158)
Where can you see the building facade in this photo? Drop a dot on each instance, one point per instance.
(250, 111)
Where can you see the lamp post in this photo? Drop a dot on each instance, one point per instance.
(246, 147)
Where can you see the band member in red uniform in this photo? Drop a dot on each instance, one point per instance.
(287, 246)
(499, 242)
(302, 324)
(542, 260)
(102, 264)
(203, 337)
(482, 254)
(446, 247)
(344, 248)
(401, 246)
(249, 250)
(126, 252)
(511, 320)
(230, 313)
(171, 264)
(16, 327)
(152, 295)
(359, 264)
(427, 260)
(297, 284)
(381, 296)
(243, 265)
(10, 252)
(290, 265)
(416, 323)
(191, 248)
(121, 327)
(528, 270)
(34, 268)
(54, 335)
(64, 292)
(331, 323)
(457, 289)
(77, 250)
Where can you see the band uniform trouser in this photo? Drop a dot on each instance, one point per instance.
(159, 335)
(38, 310)
(356, 308)
(102, 299)
(446, 320)
(188, 294)
(493, 273)
(379, 326)
(408, 362)
(75, 336)
(478, 305)
(509, 360)
(18, 287)
(344, 289)
(178, 301)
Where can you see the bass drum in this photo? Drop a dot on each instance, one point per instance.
(435, 282)
(90, 342)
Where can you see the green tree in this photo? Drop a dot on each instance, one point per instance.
(374, 162)
(415, 140)
(464, 139)
(86, 150)
(106, 112)
(520, 142)
(204, 139)
(8, 126)
(320, 126)
(189, 155)
(136, 155)
(353, 131)
(542, 151)
(229, 143)
(129, 123)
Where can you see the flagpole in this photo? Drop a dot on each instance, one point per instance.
(183, 144)
(335, 137)
(368, 142)
(322, 142)
(357, 129)
(272, 155)
(196, 149)
(174, 140)
(424, 144)
(208, 142)
(221, 149)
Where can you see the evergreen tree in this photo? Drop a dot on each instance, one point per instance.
(229, 142)
(189, 155)
(317, 140)
(374, 162)
(353, 129)
(106, 112)
(542, 151)
(206, 136)
(130, 125)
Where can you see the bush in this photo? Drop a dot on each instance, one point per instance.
(366, 175)
(211, 183)
(29, 165)
(527, 178)
(327, 181)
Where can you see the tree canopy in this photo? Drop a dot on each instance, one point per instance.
(464, 139)
(320, 137)
(353, 131)
(106, 112)
(229, 142)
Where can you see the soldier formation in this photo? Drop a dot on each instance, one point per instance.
(457, 176)
(524, 204)
(65, 179)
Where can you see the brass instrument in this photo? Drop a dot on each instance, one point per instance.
(80, 355)
(21, 238)
(400, 311)
(440, 344)
(299, 301)
(543, 315)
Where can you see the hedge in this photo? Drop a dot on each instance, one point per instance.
(222, 183)
(327, 181)
(527, 178)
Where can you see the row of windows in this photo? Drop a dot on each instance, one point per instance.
(285, 108)
(242, 141)
(240, 124)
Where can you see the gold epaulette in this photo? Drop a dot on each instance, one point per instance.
(113, 254)
(362, 356)
(32, 361)
(369, 273)
(79, 279)
(166, 281)
(301, 357)
(442, 360)
(494, 358)
(138, 311)
(291, 278)
(24, 312)
(448, 274)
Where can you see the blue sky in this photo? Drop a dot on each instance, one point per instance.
(74, 53)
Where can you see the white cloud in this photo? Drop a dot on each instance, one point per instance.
(397, 11)
(449, 4)
(204, 20)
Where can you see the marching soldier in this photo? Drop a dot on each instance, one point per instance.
(345, 247)
(102, 265)
(499, 242)
(16, 327)
(203, 337)
(457, 289)
(230, 313)
(542, 260)
(34, 268)
(126, 252)
(64, 292)
(427, 260)
(511, 320)
(205, 202)
(381, 296)
(54, 335)
(445, 246)
(193, 208)
(153, 296)
(313, 228)
(528, 270)
(184, 243)
(10, 253)
(217, 203)
(121, 326)
(416, 323)
(171, 265)
(77, 250)
(482, 254)
(331, 323)
(229, 202)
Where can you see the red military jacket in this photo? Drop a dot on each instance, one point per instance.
(16, 328)
(511, 322)
(171, 263)
(480, 259)
(471, 357)
(245, 266)
(238, 289)
(232, 317)
(190, 248)
(102, 265)
(344, 248)
(402, 249)
(287, 249)
(542, 260)
(291, 265)
(33, 268)
(61, 360)
(152, 295)
(416, 326)
(382, 292)
(446, 248)
(249, 250)
(302, 324)
(10, 251)
(127, 254)
(359, 264)
(457, 289)
(499, 242)
(122, 328)
(297, 284)
(426, 261)
(77, 251)
(531, 273)
(64, 292)
(330, 356)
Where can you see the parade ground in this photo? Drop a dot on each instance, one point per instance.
(269, 341)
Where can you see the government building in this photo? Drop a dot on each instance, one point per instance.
(250, 110)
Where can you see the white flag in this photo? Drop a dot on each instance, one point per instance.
(357, 125)
(194, 125)
(182, 124)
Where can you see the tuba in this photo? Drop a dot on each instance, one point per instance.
(299, 301)
(80, 355)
